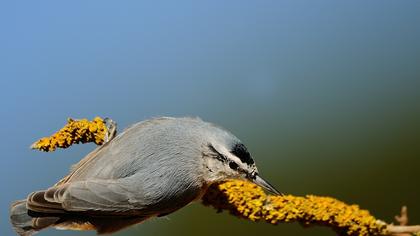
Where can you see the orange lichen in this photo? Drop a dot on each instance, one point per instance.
(247, 200)
(75, 131)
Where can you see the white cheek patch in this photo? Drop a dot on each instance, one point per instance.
(232, 162)
(236, 161)
(233, 158)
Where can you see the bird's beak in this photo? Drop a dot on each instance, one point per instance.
(265, 185)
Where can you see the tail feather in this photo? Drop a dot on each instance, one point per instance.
(26, 225)
(21, 221)
(27, 222)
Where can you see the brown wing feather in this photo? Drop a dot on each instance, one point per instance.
(106, 197)
(36, 202)
(44, 209)
(102, 225)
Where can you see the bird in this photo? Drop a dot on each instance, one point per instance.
(151, 169)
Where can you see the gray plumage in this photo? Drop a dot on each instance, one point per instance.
(151, 169)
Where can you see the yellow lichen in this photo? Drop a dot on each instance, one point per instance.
(75, 131)
(247, 200)
(243, 198)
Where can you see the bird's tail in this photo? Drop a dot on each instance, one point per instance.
(23, 223)
(27, 222)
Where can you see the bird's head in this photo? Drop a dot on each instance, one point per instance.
(227, 157)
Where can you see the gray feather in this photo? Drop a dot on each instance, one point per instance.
(152, 168)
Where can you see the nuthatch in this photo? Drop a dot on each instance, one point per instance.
(153, 168)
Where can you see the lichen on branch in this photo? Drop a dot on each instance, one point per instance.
(75, 131)
(247, 200)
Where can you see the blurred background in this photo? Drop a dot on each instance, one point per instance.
(325, 94)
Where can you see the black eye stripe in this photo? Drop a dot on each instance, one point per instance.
(242, 153)
(233, 165)
(218, 155)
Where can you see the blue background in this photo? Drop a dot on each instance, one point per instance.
(325, 94)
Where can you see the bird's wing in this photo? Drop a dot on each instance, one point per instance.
(103, 205)
(106, 197)
(115, 158)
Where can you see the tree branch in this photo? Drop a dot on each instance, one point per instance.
(247, 200)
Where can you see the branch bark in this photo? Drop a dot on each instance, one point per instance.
(403, 229)
(247, 200)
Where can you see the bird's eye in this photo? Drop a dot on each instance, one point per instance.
(233, 165)
(242, 153)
